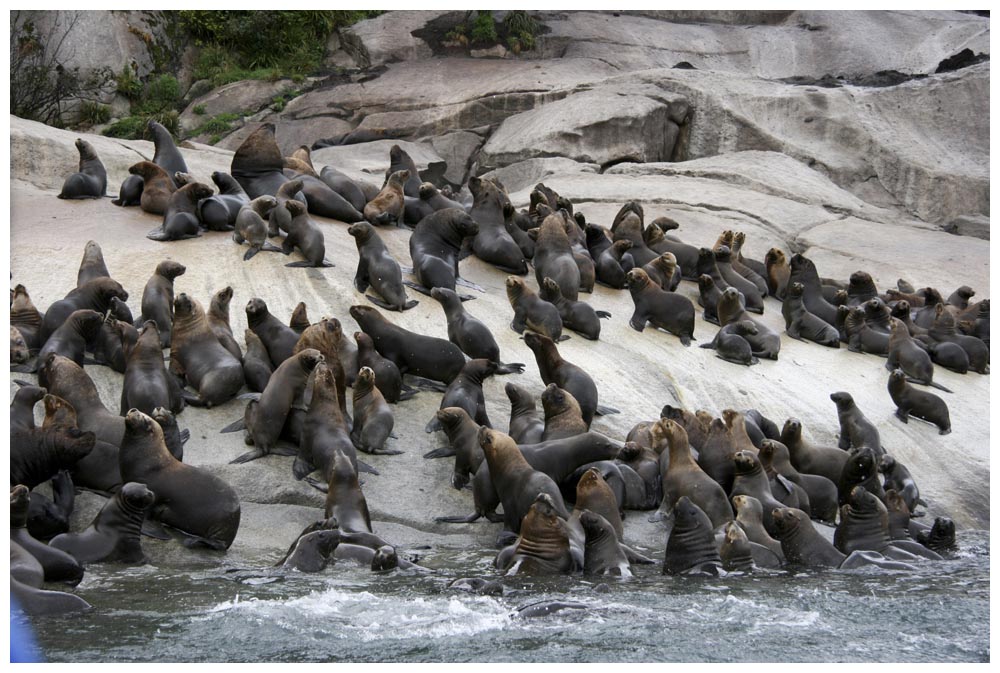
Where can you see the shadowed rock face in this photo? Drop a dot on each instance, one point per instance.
(756, 165)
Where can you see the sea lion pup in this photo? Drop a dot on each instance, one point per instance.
(752, 296)
(554, 256)
(861, 469)
(280, 217)
(906, 354)
(429, 200)
(543, 544)
(378, 268)
(38, 454)
(525, 425)
(492, 243)
(72, 339)
(415, 354)
(664, 271)
(250, 226)
(91, 181)
(305, 235)
(98, 470)
(311, 552)
(257, 367)
(165, 152)
(943, 330)
(463, 443)
(898, 479)
(681, 476)
(687, 255)
(195, 502)
(801, 324)
(940, 537)
(531, 312)
(157, 187)
(466, 391)
(197, 357)
(387, 377)
(180, 219)
(751, 269)
(802, 270)
(373, 419)
(19, 351)
(399, 160)
(578, 316)
(735, 550)
(95, 295)
(434, 249)
(26, 318)
(469, 333)
(855, 430)
(730, 343)
(554, 369)
(218, 212)
(749, 516)
(387, 207)
(669, 311)
(516, 482)
(92, 265)
(608, 264)
(801, 543)
(130, 192)
(218, 320)
(265, 417)
(765, 343)
(826, 461)
(920, 404)
(158, 298)
(774, 458)
(861, 337)
(278, 338)
(173, 436)
(114, 534)
(147, 384)
(57, 565)
(691, 546)
(751, 480)
(562, 414)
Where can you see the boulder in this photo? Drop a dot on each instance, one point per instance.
(244, 97)
(387, 38)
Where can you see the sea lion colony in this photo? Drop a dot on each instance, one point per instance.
(739, 492)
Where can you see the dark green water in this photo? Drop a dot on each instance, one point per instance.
(938, 613)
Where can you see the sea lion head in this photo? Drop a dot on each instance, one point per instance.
(19, 352)
(361, 231)
(705, 282)
(195, 192)
(183, 305)
(931, 296)
(309, 358)
(747, 507)
(688, 515)
(706, 256)
(861, 462)
(515, 287)
(787, 520)
(147, 170)
(622, 246)
(677, 437)
(19, 501)
(518, 396)
(136, 496)
(791, 431)
(385, 558)
(843, 400)
(223, 297)
(550, 288)
(745, 462)
(429, 191)
(594, 523)
(163, 417)
(965, 292)
(730, 295)
(735, 534)
(862, 500)
(887, 463)
(666, 224)
(106, 288)
(745, 327)
(722, 253)
(295, 208)
(444, 295)
(365, 315)
(861, 281)
(592, 478)
(139, 424)
(461, 222)
(363, 341)
(256, 311)
(59, 410)
(263, 205)
(451, 416)
(795, 289)
(399, 178)
(544, 508)
(148, 333)
(897, 379)
(636, 279)
(895, 503)
(366, 375)
(537, 342)
(775, 256)
(86, 150)
(629, 452)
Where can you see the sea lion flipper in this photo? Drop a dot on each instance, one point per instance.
(247, 457)
(427, 384)
(318, 485)
(154, 529)
(469, 284)
(185, 435)
(25, 369)
(465, 297)
(410, 304)
(232, 427)
(603, 410)
(443, 452)
(602, 314)
(271, 247)
(249, 396)
(419, 288)
(300, 265)
(511, 368)
(635, 557)
(365, 467)
(458, 519)
(379, 302)
(281, 450)
(301, 468)
(250, 253)
(158, 234)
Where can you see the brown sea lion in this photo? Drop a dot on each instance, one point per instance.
(69, 381)
(113, 536)
(92, 265)
(861, 469)
(434, 249)
(466, 391)
(732, 345)
(25, 317)
(802, 270)
(766, 342)
(469, 333)
(801, 543)
(325, 429)
(917, 403)
(907, 355)
(463, 443)
(802, 325)
(822, 492)
(554, 257)
(57, 565)
(864, 525)
(681, 476)
(280, 218)
(578, 316)
(753, 298)
(345, 501)
(826, 461)
(158, 298)
(305, 235)
(250, 227)
(387, 207)
(554, 369)
(664, 271)
(492, 243)
(750, 517)
(669, 311)
(543, 544)
(855, 430)
(165, 152)
(898, 479)
(147, 384)
(608, 264)
(257, 367)
(563, 417)
(278, 338)
(95, 295)
(373, 419)
(71, 339)
(98, 470)
(156, 188)
(197, 357)
(691, 546)
(943, 330)
(387, 377)
(603, 553)
(91, 181)
(218, 212)
(525, 425)
(532, 312)
(257, 164)
(218, 320)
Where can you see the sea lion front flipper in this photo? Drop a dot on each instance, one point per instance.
(419, 288)
(443, 452)
(428, 384)
(185, 435)
(194, 399)
(154, 529)
(247, 457)
(250, 253)
(271, 247)
(301, 265)
(365, 467)
(407, 393)
(458, 519)
(785, 483)
(511, 368)
(602, 314)
(410, 304)
(301, 468)
(248, 396)
(380, 303)
(603, 410)
(564, 337)
(232, 427)
(25, 369)
(317, 484)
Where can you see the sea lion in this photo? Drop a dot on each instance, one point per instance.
(861, 469)
(69, 381)
(158, 298)
(180, 217)
(941, 536)
(91, 181)
(173, 437)
(191, 500)
(525, 427)
(344, 499)
(664, 271)
(554, 369)
(709, 295)
(608, 264)
(345, 186)
(801, 324)
(324, 201)
(630, 228)
(750, 480)
(751, 269)
(822, 492)
(860, 288)
(92, 265)
(463, 443)
(802, 270)
(531, 311)
(662, 309)
(278, 338)
(378, 268)
(19, 352)
(250, 226)
(71, 339)
(917, 403)
(57, 565)
(218, 212)
(387, 377)
(855, 430)
(603, 553)
(731, 344)
(218, 320)
(861, 337)
(26, 318)
(299, 320)
(466, 391)
(943, 330)
(562, 414)
(434, 248)
(325, 430)
(469, 333)
(312, 551)
(864, 525)
(130, 192)
(257, 367)
(147, 384)
(801, 543)
(280, 218)
(399, 160)
(554, 256)
(645, 464)
(681, 477)
(691, 544)
(373, 419)
(492, 243)
(686, 255)
(906, 354)
(305, 235)
(735, 550)
(387, 207)
(98, 470)
(197, 356)
(898, 479)
(543, 544)
(157, 186)
(165, 152)
(416, 354)
(766, 342)
(95, 295)
(113, 536)
(578, 316)
(749, 516)
(753, 299)
(257, 164)
(826, 461)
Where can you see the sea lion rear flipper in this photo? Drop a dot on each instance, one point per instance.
(407, 393)
(465, 297)
(410, 304)
(785, 483)
(564, 337)
(635, 557)
(470, 284)
(190, 540)
(301, 468)
(603, 410)
(22, 383)
(284, 450)
(602, 314)
(933, 384)
(185, 435)
(158, 234)
(271, 247)
(317, 484)
(232, 427)
(427, 384)
(25, 369)
(458, 519)
(406, 269)
(511, 368)
(193, 399)
(365, 467)
(247, 457)
(301, 265)
(154, 529)
(419, 288)
(443, 452)
(250, 253)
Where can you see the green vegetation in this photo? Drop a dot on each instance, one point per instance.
(128, 84)
(217, 125)
(517, 31)
(520, 28)
(134, 126)
(94, 113)
(159, 100)
(483, 30)
(198, 109)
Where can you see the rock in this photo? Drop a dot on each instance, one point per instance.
(962, 59)
(524, 175)
(387, 38)
(244, 97)
(496, 51)
(372, 159)
(458, 149)
(970, 225)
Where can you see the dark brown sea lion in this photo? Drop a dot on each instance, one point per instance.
(532, 312)
(299, 320)
(861, 337)
(860, 288)
(735, 550)
(864, 525)
(434, 249)
(197, 356)
(662, 309)
(180, 217)
(98, 470)
(898, 479)
(525, 425)
(387, 377)
(130, 192)
(26, 318)
(57, 565)
(189, 499)
(157, 187)
(280, 218)
(826, 461)
(708, 298)
(608, 264)
(943, 330)
(71, 340)
(543, 544)
(165, 152)
(750, 515)
(218, 320)
(554, 257)
(563, 417)
(921, 404)
(801, 542)
(257, 367)
(578, 316)
(257, 164)
(469, 333)
(305, 235)
(218, 212)
(264, 418)
(251, 228)
(373, 419)
(861, 469)
(173, 436)
(645, 463)
(278, 338)
(731, 343)
(19, 352)
(113, 535)
(906, 354)
(325, 430)
(463, 443)
(387, 207)
(753, 299)
(416, 354)
(95, 295)
(664, 271)
(753, 270)
(766, 342)
(92, 265)
(554, 369)
(855, 430)
(802, 325)
(804, 271)
(941, 536)
(681, 476)
(147, 384)
(687, 255)
(492, 243)
(603, 553)
(751, 480)
(344, 186)
(378, 268)
(466, 391)
(69, 381)
(691, 546)
(158, 298)
(822, 492)
(91, 181)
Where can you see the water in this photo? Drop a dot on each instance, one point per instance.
(938, 613)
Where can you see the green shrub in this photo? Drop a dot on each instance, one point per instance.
(93, 113)
(484, 31)
(198, 109)
(134, 127)
(127, 83)
(519, 21)
(160, 95)
(278, 103)
(217, 125)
